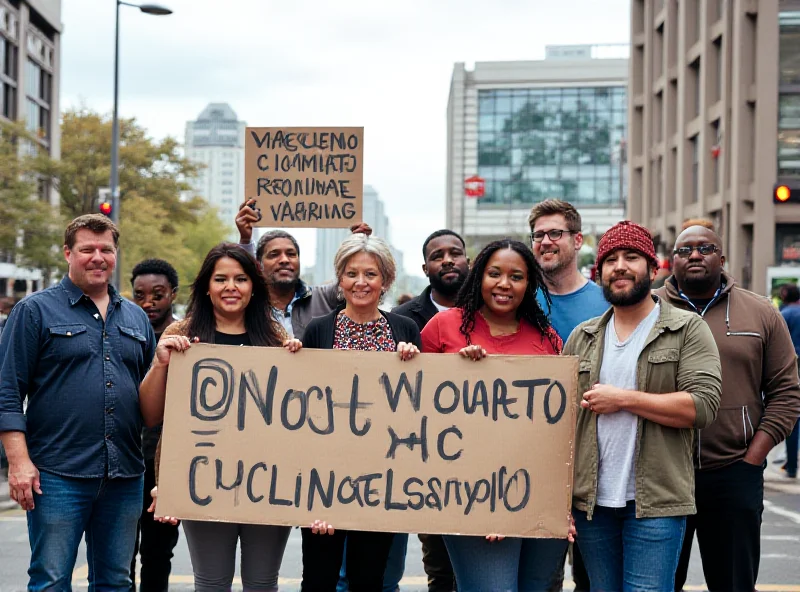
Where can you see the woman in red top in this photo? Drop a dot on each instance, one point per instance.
(496, 312)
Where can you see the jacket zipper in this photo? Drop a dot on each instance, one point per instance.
(744, 428)
(728, 324)
(747, 414)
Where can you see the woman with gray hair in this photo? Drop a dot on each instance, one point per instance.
(365, 270)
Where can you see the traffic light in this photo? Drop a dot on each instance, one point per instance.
(786, 193)
(105, 208)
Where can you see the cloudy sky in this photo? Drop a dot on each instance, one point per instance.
(381, 64)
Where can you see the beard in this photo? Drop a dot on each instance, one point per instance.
(448, 288)
(699, 284)
(562, 260)
(282, 283)
(639, 291)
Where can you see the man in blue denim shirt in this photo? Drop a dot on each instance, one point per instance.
(78, 351)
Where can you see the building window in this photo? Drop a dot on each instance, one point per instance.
(9, 101)
(9, 64)
(32, 116)
(715, 138)
(694, 85)
(789, 47)
(33, 79)
(695, 149)
(550, 142)
(789, 136)
(718, 74)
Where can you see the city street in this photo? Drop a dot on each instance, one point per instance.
(780, 539)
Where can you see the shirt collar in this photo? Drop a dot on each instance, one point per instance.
(438, 306)
(710, 302)
(74, 293)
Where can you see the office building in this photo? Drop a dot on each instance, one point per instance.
(30, 58)
(215, 140)
(532, 130)
(709, 81)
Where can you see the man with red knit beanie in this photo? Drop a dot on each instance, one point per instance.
(649, 374)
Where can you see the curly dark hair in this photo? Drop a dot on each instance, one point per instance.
(156, 267)
(257, 316)
(470, 299)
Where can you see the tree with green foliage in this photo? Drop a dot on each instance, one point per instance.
(154, 220)
(30, 229)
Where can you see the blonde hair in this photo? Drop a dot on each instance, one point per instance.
(361, 243)
(704, 222)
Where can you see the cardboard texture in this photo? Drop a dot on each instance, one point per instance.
(305, 177)
(260, 435)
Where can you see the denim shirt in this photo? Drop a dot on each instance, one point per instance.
(81, 377)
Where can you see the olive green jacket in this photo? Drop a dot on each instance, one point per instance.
(679, 355)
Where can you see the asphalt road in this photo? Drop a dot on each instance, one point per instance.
(780, 567)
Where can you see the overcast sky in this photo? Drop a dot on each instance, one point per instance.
(381, 64)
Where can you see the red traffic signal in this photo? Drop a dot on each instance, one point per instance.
(105, 208)
(782, 194)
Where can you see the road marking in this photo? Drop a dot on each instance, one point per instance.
(79, 579)
(783, 487)
(13, 519)
(779, 537)
(781, 511)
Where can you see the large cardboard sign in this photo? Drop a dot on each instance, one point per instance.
(364, 441)
(305, 176)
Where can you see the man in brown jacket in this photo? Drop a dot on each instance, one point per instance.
(759, 405)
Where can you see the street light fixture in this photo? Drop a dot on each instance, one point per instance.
(156, 10)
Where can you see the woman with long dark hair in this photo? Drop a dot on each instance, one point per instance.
(229, 305)
(496, 312)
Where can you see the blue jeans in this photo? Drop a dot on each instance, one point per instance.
(395, 565)
(513, 564)
(107, 510)
(623, 553)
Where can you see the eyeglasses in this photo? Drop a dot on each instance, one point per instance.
(686, 252)
(553, 235)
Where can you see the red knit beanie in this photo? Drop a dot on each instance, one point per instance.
(626, 235)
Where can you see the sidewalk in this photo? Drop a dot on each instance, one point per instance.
(5, 502)
(774, 478)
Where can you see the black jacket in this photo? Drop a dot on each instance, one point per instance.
(420, 309)
(319, 333)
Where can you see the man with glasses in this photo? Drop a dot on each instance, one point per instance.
(759, 406)
(556, 239)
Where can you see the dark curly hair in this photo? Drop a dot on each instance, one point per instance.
(257, 316)
(470, 299)
(156, 267)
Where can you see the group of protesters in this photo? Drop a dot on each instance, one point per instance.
(682, 392)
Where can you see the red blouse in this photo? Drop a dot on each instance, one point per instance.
(442, 335)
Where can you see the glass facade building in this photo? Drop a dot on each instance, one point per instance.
(539, 143)
(533, 130)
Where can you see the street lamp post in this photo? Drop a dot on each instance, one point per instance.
(153, 9)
